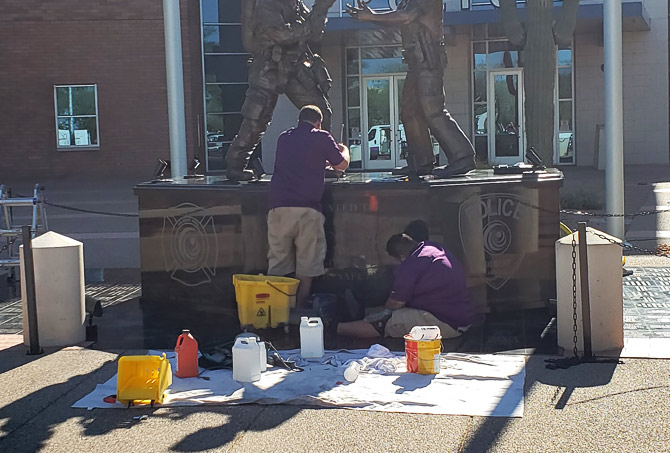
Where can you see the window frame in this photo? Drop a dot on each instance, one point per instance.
(95, 146)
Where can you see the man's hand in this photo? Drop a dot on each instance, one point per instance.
(361, 12)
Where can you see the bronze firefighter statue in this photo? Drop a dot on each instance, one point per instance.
(277, 34)
(423, 109)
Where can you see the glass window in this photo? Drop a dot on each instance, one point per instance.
(221, 11)
(222, 128)
(480, 86)
(564, 57)
(225, 98)
(76, 115)
(479, 52)
(565, 83)
(222, 39)
(565, 116)
(501, 55)
(382, 60)
(226, 68)
(481, 119)
(353, 92)
(216, 156)
(354, 126)
(352, 61)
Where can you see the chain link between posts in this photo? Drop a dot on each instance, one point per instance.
(574, 296)
(9, 244)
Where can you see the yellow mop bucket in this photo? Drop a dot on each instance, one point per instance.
(264, 300)
(423, 356)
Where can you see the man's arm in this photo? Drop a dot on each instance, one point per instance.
(393, 304)
(403, 16)
(269, 18)
(344, 151)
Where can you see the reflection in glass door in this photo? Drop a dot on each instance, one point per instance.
(385, 146)
(506, 131)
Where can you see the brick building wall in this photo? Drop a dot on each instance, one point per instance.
(117, 45)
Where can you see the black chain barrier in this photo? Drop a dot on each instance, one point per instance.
(8, 244)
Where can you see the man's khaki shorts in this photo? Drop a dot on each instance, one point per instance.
(297, 242)
(403, 319)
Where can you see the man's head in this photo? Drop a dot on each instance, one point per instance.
(417, 230)
(311, 114)
(400, 246)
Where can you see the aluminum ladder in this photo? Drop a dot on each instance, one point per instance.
(10, 233)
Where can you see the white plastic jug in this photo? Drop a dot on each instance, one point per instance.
(311, 338)
(246, 366)
(425, 333)
(263, 355)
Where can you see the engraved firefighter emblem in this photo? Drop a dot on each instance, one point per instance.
(189, 245)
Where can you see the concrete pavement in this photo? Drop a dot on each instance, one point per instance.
(591, 407)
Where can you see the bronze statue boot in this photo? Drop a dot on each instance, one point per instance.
(237, 175)
(407, 171)
(458, 168)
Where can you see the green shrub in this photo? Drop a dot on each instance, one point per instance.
(581, 199)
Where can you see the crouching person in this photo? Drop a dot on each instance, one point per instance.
(429, 289)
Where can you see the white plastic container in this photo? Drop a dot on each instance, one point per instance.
(351, 371)
(311, 338)
(59, 290)
(246, 366)
(425, 333)
(262, 353)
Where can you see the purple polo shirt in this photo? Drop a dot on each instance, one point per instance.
(432, 279)
(300, 163)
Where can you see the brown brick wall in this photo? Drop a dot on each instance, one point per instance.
(118, 45)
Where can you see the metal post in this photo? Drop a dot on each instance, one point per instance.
(31, 301)
(584, 282)
(175, 88)
(614, 182)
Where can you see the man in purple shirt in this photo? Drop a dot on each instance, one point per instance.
(429, 290)
(296, 239)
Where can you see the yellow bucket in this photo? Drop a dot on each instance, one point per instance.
(143, 378)
(264, 300)
(423, 356)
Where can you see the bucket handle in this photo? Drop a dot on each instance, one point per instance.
(277, 289)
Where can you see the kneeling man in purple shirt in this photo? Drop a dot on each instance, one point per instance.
(296, 238)
(429, 289)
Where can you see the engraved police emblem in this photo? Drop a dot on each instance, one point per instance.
(499, 218)
(189, 245)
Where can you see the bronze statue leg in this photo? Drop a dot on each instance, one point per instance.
(302, 94)
(444, 128)
(257, 111)
(419, 144)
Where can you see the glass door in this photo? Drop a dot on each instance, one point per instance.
(506, 134)
(385, 146)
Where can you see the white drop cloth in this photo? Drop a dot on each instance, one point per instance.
(476, 385)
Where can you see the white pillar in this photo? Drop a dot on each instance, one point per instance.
(175, 88)
(614, 182)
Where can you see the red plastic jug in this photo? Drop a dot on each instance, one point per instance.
(187, 355)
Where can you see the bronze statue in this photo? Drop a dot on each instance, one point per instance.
(277, 34)
(423, 109)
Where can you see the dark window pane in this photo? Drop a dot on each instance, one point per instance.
(565, 57)
(216, 157)
(382, 60)
(502, 56)
(63, 101)
(83, 100)
(481, 119)
(222, 128)
(354, 125)
(353, 92)
(482, 148)
(226, 68)
(77, 132)
(225, 98)
(480, 86)
(565, 116)
(352, 61)
(223, 11)
(479, 58)
(222, 39)
(565, 83)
